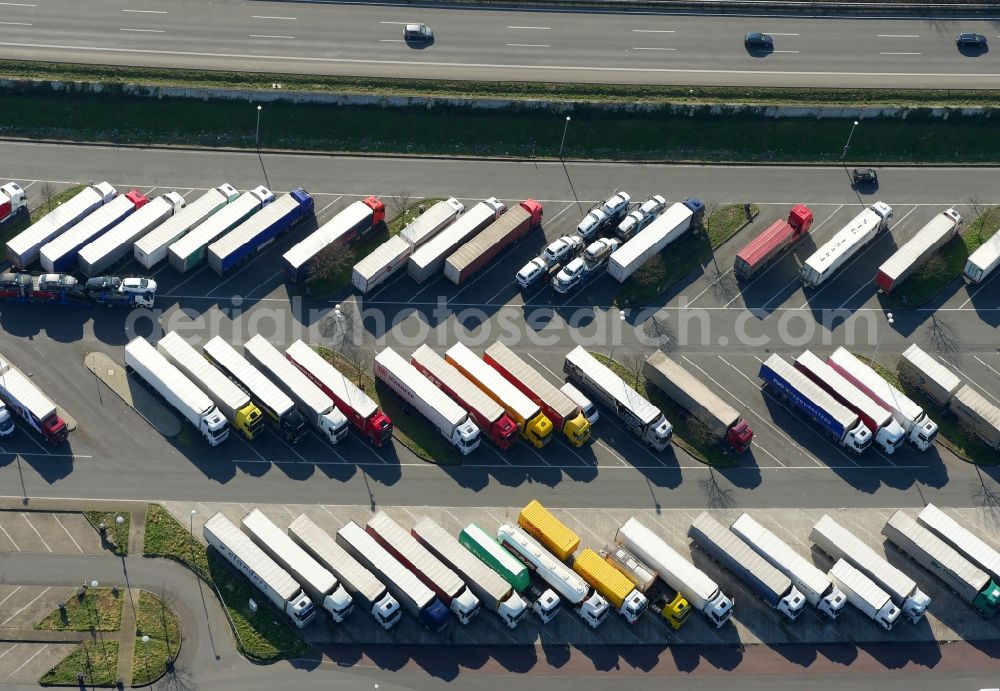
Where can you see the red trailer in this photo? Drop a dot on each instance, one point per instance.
(482, 249)
(777, 237)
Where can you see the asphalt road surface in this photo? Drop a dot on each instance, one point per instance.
(115, 453)
(522, 45)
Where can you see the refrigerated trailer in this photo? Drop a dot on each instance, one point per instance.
(864, 593)
(348, 225)
(61, 253)
(484, 247)
(260, 230)
(319, 584)
(116, 245)
(261, 570)
(176, 389)
(188, 252)
(837, 251)
(962, 539)
(23, 398)
(428, 259)
(279, 410)
(773, 242)
(363, 586)
(152, 249)
(938, 232)
(23, 248)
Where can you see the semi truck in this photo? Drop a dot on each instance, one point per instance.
(532, 424)
(23, 398)
(701, 403)
(667, 228)
(260, 230)
(113, 247)
(318, 583)
(840, 543)
(60, 254)
(947, 390)
(242, 554)
(938, 232)
(961, 539)
(564, 414)
(360, 583)
(677, 572)
(414, 388)
(13, 201)
(848, 241)
(641, 418)
(350, 224)
(488, 415)
(395, 253)
(23, 248)
(359, 409)
(279, 410)
(773, 242)
(768, 584)
(316, 406)
(796, 389)
(428, 259)
(429, 569)
(484, 247)
(493, 592)
(919, 428)
(177, 390)
(572, 589)
(967, 580)
(152, 249)
(544, 602)
(189, 251)
(611, 584)
(230, 399)
(666, 601)
(983, 261)
(888, 433)
(815, 585)
(865, 594)
(550, 532)
(419, 600)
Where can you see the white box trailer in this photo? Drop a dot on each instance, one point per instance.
(428, 568)
(186, 253)
(320, 585)
(962, 539)
(428, 259)
(318, 408)
(277, 585)
(23, 248)
(432, 221)
(864, 593)
(687, 579)
(152, 249)
(115, 245)
(933, 378)
(179, 391)
(938, 232)
(641, 417)
(983, 261)
(766, 583)
(451, 420)
(810, 581)
(840, 543)
(361, 583)
(848, 241)
(60, 254)
(667, 228)
(493, 591)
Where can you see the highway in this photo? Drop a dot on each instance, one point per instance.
(488, 44)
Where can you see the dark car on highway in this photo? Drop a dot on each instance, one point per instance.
(971, 41)
(755, 40)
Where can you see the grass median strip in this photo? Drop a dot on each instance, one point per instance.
(97, 661)
(92, 609)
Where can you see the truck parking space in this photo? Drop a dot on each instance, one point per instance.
(44, 532)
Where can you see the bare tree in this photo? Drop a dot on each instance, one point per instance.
(48, 192)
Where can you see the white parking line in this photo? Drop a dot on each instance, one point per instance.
(25, 663)
(9, 537)
(9, 595)
(36, 532)
(37, 597)
(68, 533)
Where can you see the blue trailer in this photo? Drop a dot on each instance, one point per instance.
(260, 230)
(796, 389)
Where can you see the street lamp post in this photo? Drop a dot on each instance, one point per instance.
(563, 142)
(843, 154)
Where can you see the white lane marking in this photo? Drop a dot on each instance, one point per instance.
(898, 35)
(891, 53)
(664, 49)
(528, 45)
(68, 533)
(289, 19)
(8, 597)
(146, 11)
(16, 24)
(654, 31)
(269, 36)
(9, 538)
(24, 664)
(7, 620)
(532, 28)
(146, 31)
(30, 525)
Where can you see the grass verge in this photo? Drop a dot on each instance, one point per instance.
(99, 609)
(334, 268)
(688, 134)
(947, 265)
(23, 220)
(160, 623)
(117, 534)
(950, 433)
(262, 636)
(409, 427)
(96, 660)
(693, 250)
(687, 432)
